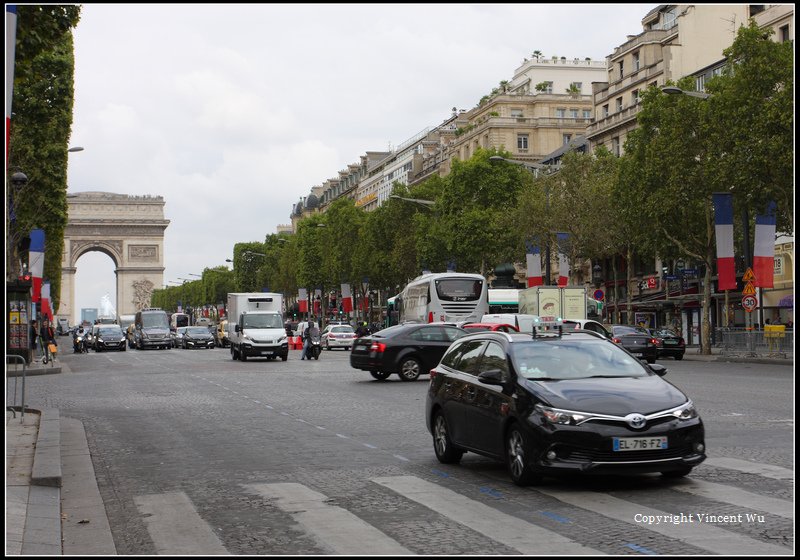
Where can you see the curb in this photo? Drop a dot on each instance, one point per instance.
(47, 457)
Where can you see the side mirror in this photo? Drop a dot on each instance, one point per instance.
(492, 377)
(658, 369)
(236, 328)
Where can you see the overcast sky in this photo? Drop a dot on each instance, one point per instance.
(233, 112)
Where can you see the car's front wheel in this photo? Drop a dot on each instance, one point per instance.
(519, 455)
(410, 369)
(445, 451)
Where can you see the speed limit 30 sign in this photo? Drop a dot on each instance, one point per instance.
(749, 303)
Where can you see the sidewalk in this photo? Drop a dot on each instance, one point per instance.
(53, 505)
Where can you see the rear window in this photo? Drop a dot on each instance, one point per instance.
(457, 289)
(342, 329)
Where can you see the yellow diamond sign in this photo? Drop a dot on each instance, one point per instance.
(749, 289)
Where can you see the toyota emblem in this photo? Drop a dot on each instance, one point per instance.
(635, 420)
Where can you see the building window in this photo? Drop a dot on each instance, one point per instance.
(561, 113)
(700, 83)
(566, 138)
(619, 104)
(605, 111)
(635, 99)
(636, 62)
(615, 146)
(573, 113)
(522, 141)
(587, 113)
(783, 33)
(670, 19)
(621, 69)
(516, 113)
(578, 86)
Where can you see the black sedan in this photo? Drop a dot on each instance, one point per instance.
(108, 337)
(197, 337)
(636, 340)
(408, 350)
(562, 402)
(669, 343)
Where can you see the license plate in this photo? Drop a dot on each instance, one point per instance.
(266, 352)
(639, 444)
(670, 342)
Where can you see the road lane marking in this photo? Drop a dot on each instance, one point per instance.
(339, 529)
(769, 471)
(735, 496)
(703, 535)
(503, 528)
(175, 526)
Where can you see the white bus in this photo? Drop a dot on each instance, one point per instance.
(503, 300)
(446, 297)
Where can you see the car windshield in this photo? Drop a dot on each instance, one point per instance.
(196, 330)
(561, 359)
(258, 321)
(111, 331)
(155, 320)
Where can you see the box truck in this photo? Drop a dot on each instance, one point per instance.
(255, 326)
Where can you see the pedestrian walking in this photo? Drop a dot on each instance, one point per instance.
(34, 335)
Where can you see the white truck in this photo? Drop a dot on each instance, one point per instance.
(255, 326)
(568, 302)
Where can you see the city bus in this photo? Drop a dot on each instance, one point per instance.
(445, 297)
(503, 300)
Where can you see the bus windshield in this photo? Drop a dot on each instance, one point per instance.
(459, 289)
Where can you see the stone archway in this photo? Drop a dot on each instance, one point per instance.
(130, 230)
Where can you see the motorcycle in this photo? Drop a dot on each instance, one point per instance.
(314, 346)
(79, 342)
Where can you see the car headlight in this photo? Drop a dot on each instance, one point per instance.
(282, 339)
(560, 416)
(685, 412)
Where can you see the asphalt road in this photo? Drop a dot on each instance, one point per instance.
(198, 454)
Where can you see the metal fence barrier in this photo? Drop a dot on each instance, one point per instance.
(16, 374)
(757, 343)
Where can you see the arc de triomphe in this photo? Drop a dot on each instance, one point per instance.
(130, 230)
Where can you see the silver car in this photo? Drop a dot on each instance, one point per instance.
(338, 336)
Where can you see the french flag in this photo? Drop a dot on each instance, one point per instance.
(303, 300)
(533, 260)
(563, 261)
(764, 250)
(36, 262)
(46, 311)
(11, 44)
(723, 224)
(347, 298)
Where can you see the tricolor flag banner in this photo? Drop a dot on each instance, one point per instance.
(723, 223)
(11, 44)
(36, 262)
(318, 301)
(764, 250)
(563, 261)
(533, 261)
(303, 300)
(347, 298)
(46, 311)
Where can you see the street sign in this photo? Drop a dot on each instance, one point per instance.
(749, 276)
(599, 295)
(749, 303)
(749, 289)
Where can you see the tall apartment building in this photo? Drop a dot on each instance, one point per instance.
(677, 40)
(543, 107)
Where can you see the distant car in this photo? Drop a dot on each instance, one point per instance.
(636, 340)
(587, 325)
(669, 343)
(569, 402)
(408, 350)
(197, 337)
(129, 335)
(222, 334)
(91, 336)
(482, 327)
(108, 337)
(176, 337)
(338, 336)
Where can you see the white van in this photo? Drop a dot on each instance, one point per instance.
(523, 322)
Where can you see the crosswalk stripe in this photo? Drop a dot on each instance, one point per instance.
(175, 526)
(769, 471)
(339, 529)
(511, 531)
(733, 495)
(697, 533)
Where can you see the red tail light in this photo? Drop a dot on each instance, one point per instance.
(377, 347)
(433, 375)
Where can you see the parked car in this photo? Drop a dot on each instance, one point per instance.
(108, 337)
(408, 350)
(176, 337)
(636, 340)
(338, 336)
(560, 403)
(197, 337)
(482, 327)
(588, 325)
(669, 343)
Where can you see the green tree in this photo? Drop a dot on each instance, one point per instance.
(40, 130)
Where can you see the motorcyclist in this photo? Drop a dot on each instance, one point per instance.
(310, 332)
(79, 340)
(362, 330)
